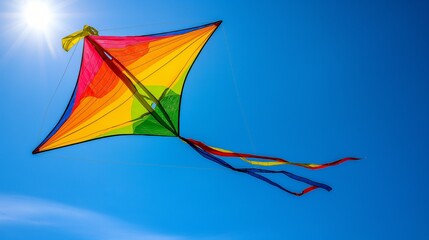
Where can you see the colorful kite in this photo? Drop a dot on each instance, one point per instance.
(133, 86)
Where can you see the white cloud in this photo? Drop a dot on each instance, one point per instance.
(84, 223)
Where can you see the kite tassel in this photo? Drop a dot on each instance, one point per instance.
(268, 161)
(257, 173)
(70, 40)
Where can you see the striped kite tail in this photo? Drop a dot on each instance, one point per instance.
(211, 154)
(268, 161)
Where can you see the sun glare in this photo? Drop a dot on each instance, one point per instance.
(36, 23)
(38, 16)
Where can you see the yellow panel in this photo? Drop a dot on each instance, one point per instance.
(168, 69)
(116, 114)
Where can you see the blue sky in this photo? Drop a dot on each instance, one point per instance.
(310, 81)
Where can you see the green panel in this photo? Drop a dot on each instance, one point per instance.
(149, 125)
(171, 104)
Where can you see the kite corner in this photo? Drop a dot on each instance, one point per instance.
(217, 23)
(36, 151)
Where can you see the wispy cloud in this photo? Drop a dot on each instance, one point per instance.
(84, 223)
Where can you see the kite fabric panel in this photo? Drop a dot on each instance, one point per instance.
(132, 85)
(129, 85)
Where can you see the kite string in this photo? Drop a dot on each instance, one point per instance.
(55, 91)
(240, 104)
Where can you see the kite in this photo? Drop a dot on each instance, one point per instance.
(132, 85)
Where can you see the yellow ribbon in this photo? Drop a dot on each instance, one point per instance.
(258, 163)
(267, 162)
(72, 39)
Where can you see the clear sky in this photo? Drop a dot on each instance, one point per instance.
(310, 81)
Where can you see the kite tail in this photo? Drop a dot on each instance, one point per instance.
(256, 172)
(269, 161)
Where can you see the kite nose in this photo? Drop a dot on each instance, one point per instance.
(217, 23)
(35, 151)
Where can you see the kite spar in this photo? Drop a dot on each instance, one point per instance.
(132, 85)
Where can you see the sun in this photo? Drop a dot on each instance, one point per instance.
(36, 23)
(38, 16)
